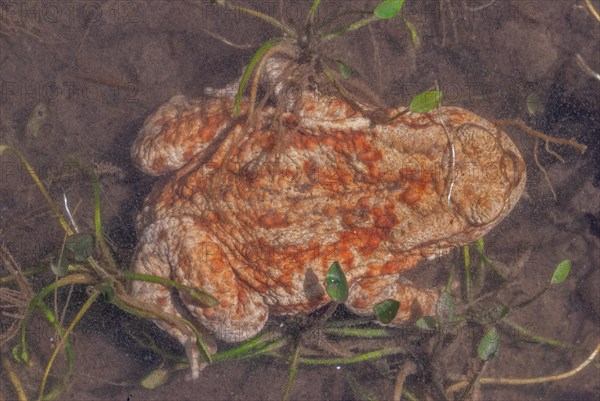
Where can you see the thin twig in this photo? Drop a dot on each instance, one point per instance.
(592, 9)
(553, 153)
(227, 41)
(14, 379)
(537, 162)
(561, 141)
(585, 67)
(406, 369)
(267, 18)
(534, 380)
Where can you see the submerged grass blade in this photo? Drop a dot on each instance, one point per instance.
(49, 315)
(357, 332)
(250, 347)
(40, 186)
(248, 72)
(98, 220)
(358, 389)
(14, 379)
(67, 333)
(78, 278)
(380, 353)
(292, 373)
(198, 294)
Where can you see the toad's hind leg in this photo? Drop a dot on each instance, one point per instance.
(414, 302)
(204, 261)
(152, 258)
(180, 249)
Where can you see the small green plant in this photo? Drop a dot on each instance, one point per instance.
(309, 66)
(85, 259)
(490, 319)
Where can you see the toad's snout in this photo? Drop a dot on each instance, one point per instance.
(489, 174)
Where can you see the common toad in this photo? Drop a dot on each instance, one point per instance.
(256, 212)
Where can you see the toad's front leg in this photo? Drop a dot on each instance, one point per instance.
(179, 131)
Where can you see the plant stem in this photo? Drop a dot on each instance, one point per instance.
(289, 31)
(79, 278)
(538, 339)
(530, 300)
(310, 18)
(469, 386)
(349, 28)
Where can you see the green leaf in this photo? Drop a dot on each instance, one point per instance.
(82, 245)
(336, 284)
(534, 104)
(388, 9)
(489, 345)
(426, 101)
(427, 323)
(414, 34)
(387, 310)
(201, 297)
(444, 309)
(314, 6)
(155, 379)
(561, 272)
(344, 69)
(59, 266)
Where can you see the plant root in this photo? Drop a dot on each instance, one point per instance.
(13, 303)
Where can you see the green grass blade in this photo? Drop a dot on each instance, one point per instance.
(292, 373)
(248, 72)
